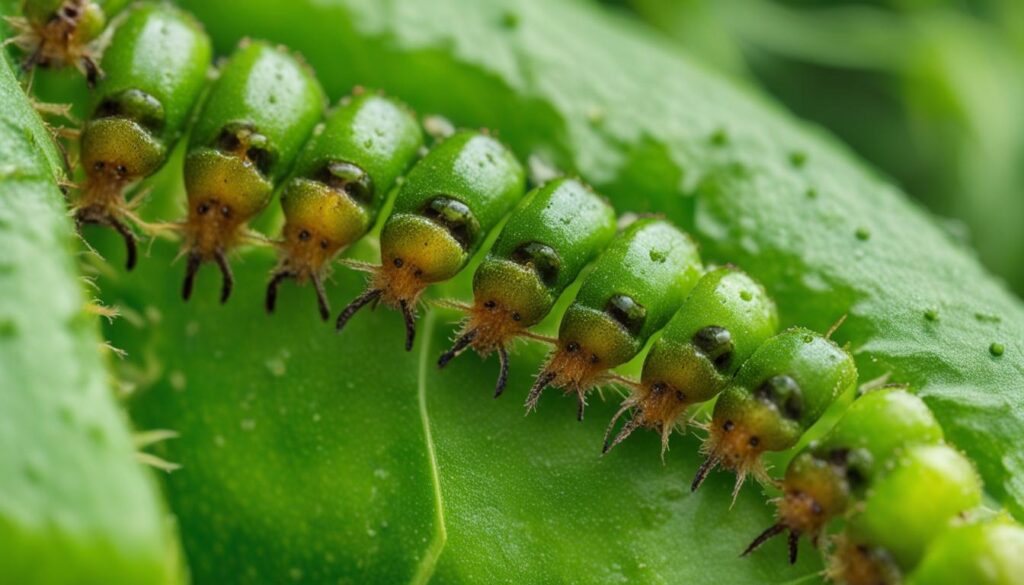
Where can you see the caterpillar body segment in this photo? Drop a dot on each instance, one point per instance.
(156, 69)
(443, 211)
(339, 184)
(548, 239)
(784, 388)
(61, 33)
(257, 115)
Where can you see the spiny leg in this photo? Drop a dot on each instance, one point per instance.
(92, 71)
(228, 282)
(457, 348)
(321, 297)
(353, 307)
(769, 533)
(581, 403)
(627, 429)
(191, 268)
(275, 281)
(502, 371)
(410, 323)
(794, 542)
(538, 386)
(129, 241)
(702, 473)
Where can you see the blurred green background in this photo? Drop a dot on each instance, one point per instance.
(930, 91)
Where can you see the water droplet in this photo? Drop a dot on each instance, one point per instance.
(218, 441)
(276, 366)
(177, 380)
(153, 314)
(931, 314)
(248, 424)
(192, 328)
(316, 417)
(295, 573)
(997, 349)
(595, 115)
(746, 295)
(863, 234)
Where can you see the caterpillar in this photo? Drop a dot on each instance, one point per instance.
(713, 332)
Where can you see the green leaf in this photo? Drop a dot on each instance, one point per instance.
(75, 505)
(317, 457)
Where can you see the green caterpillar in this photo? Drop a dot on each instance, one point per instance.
(649, 278)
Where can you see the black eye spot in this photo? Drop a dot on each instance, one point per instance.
(542, 258)
(225, 211)
(680, 396)
(98, 165)
(754, 441)
(594, 359)
(349, 179)
(304, 235)
(728, 426)
(324, 244)
(715, 343)
(399, 262)
(572, 347)
(202, 208)
(629, 313)
(71, 12)
(417, 272)
(517, 317)
(122, 170)
(816, 509)
(135, 105)
(658, 388)
(455, 216)
(490, 305)
(784, 393)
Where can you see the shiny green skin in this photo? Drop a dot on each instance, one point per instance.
(162, 51)
(914, 501)
(378, 134)
(95, 15)
(987, 553)
(565, 215)
(879, 424)
(469, 167)
(271, 89)
(821, 369)
(728, 298)
(653, 263)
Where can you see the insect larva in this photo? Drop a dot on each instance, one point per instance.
(634, 288)
(57, 33)
(547, 240)
(155, 71)
(339, 183)
(452, 197)
(980, 553)
(256, 117)
(821, 481)
(726, 317)
(916, 498)
(782, 390)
